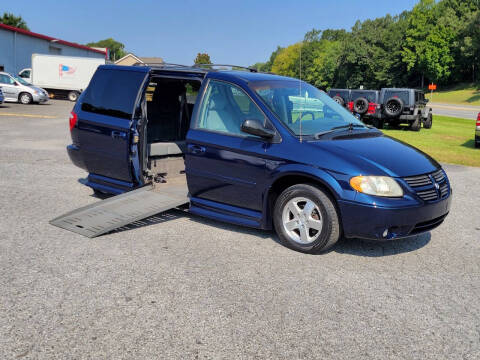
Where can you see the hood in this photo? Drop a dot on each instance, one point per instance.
(380, 155)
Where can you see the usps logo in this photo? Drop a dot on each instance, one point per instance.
(66, 70)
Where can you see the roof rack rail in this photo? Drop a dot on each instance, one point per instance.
(227, 65)
(162, 64)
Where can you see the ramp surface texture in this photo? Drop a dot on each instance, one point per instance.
(109, 214)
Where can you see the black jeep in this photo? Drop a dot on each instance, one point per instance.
(405, 106)
(341, 96)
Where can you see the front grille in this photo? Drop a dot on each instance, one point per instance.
(425, 185)
(416, 181)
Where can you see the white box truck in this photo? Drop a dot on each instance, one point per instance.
(61, 76)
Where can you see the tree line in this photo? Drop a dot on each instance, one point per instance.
(436, 41)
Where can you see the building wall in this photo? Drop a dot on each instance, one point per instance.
(16, 50)
(127, 60)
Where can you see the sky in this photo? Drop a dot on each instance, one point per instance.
(240, 32)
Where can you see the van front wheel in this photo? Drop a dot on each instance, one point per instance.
(25, 98)
(305, 219)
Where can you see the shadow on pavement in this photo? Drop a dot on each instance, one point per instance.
(367, 248)
(357, 247)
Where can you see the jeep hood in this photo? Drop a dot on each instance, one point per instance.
(381, 155)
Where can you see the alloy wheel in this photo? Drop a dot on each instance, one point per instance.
(302, 220)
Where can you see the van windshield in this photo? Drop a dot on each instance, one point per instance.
(302, 107)
(21, 81)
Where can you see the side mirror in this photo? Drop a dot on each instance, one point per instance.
(254, 127)
(426, 101)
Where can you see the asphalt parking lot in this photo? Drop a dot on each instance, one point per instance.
(182, 287)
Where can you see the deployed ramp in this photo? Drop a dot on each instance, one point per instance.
(109, 214)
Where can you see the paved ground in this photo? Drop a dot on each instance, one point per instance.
(183, 287)
(461, 111)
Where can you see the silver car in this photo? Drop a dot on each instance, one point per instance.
(16, 89)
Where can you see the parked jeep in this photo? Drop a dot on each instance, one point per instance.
(252, 149)
(366, 103)
(406, 106)
(341, 96)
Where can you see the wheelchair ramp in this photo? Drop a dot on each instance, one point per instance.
(109, 214)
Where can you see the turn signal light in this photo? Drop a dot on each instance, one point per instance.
(73, 120)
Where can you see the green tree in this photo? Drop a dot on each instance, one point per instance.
(12, 20)
(287, 60)
(116, 48)
(202, 58)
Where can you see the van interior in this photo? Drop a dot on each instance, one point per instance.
(170, 103)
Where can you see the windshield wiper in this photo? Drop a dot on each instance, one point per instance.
(349, 126)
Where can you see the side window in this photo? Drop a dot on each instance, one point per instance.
(225, 107)
(5, 79)
(113, 92)
(25, 74)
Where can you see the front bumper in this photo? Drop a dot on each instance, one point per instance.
(40, 98)
(370, 222)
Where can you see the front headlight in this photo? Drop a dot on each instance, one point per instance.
(376, 185)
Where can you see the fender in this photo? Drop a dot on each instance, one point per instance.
(318, 175)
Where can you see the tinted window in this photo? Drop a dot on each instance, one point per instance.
(113, 92)
(225, 107)
(5, 79)
(302, 107)
(402, 95)
(344, 94)
(369, 95)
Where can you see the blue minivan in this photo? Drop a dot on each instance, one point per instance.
(255, 149)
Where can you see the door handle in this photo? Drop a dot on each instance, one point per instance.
(119, 134)
(196, 149)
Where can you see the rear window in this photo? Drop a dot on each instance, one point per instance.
(113, 93)
(344, 94)
(369, 95)
(402, 95)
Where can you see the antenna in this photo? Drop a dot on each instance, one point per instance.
(300, 91)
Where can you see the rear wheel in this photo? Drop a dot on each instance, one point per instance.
(427, 124)
(73, 95)
(477, 144)
(339, 100)
(360, 106)
(25, 98)
(305, 219)
(393, 107)
(416, 124)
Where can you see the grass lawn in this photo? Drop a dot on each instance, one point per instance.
(450, 140)
(465, 94)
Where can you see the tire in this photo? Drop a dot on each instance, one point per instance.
(25, 98)
(378, 123)
(393, 107)
(416, 125)
(323, 215)
(477, 144)
(73, 96)
(427, 124)
(339, 100)
(360, 106)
